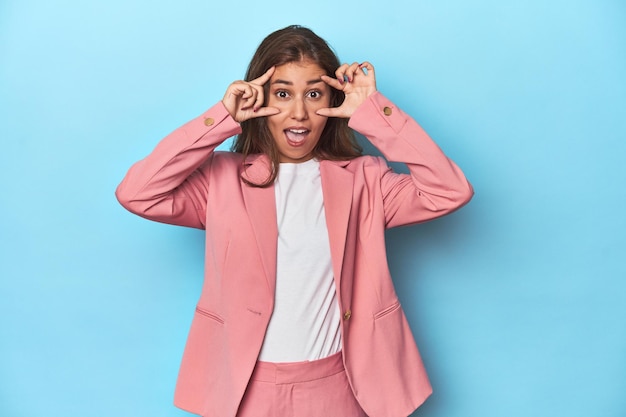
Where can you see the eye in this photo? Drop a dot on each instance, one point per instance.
(282, 94)
(315, 94)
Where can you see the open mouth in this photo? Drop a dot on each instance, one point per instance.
(296, 137)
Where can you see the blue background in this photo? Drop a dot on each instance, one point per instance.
(517, 301)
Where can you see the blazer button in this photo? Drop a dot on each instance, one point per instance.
(347, 315)
(209, 121)
(387, 111)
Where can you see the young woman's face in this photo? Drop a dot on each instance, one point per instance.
(297, 90)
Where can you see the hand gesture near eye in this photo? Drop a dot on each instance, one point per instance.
(357, 81)
(244, 99)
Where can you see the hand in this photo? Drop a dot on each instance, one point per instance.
(244, 99)
(357, 81)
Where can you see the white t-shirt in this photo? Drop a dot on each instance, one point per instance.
(305, 324)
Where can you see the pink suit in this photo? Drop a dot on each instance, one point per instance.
(184, 182)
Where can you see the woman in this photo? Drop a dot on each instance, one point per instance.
(298, 314)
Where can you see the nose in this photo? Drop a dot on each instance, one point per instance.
(299, 110)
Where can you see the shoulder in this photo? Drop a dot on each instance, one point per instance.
(221, 162)
(367, 167)
(366, 162)
(226, 158)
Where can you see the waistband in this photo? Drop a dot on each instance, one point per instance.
(293, 372)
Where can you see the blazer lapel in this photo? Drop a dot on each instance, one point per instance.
(337, 186)
(261, 207)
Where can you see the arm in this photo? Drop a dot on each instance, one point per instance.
(435, 187)
(169, 185)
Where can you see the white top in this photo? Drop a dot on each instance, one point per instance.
(305, 324)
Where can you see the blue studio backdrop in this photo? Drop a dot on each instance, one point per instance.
(517, 301)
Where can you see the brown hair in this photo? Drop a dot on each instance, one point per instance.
(295, 44)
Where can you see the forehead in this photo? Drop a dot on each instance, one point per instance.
(301, 72)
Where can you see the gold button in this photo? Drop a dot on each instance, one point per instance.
(387, 111)
(347, 315)
(209, 121)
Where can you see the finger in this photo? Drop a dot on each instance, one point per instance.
(329, 112)
(341, 72)
(352, 71)
(332, 82)
(260, 98)
(237, 95)
(266, 111)
(249, 99)
(232, 97)
(236, 89)
(246, 91)
(265, 77)
(365, 65)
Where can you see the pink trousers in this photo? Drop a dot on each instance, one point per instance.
(300, 389)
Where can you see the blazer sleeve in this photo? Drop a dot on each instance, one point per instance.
(171, 184)
(435, 186)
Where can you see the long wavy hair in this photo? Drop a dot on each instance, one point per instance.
(295, 44)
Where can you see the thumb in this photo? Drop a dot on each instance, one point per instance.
(329, 112)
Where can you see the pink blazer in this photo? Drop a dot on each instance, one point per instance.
(184, 182)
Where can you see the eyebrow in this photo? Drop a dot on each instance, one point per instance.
(310, 82)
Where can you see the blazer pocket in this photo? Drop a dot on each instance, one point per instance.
(388, 310)
(209, 314)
